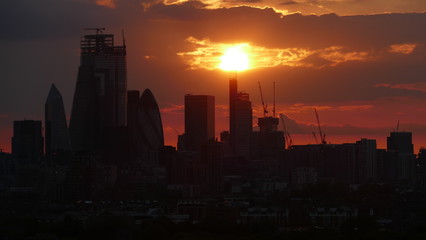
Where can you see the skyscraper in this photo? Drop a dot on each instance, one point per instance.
(27, 140)
(56, 129)
(233, 93)
(100, 93)
(401, 156)
(199, 121)
(144, 126)
(367, 160)
(267, 142)
(400, 142)
(132, 107)
(240, 120)
(149, 122)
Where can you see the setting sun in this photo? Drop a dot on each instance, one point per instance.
(235, 58)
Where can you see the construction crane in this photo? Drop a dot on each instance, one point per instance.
(322, 136)
(177, 132)
(265, 107)
(287, 136)
(315, 136)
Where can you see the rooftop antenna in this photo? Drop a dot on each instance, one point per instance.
(124, 39)
(397, 126)
(273, 109)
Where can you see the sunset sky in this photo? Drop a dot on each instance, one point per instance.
(360, 63)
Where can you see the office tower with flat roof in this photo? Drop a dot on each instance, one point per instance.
(199, 121)
(401, 157)
(240, 121)
(367, 160)
(400, 142)
(27, 140)
(233, 94)
(100, 93)
(55, 125)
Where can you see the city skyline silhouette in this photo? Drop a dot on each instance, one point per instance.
(362, 81)
(217, 120)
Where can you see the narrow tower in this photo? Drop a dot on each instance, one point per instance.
(240, 121)
(55, 125)
(199, 121)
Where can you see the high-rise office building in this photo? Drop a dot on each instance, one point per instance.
(199, 121)
(100, 93)
(267, 142)
(367, 160)
(401, 157)
(400, 142)
(233, 94)
(27, 140)
(149, 122)
(56, 129)
(132, 107)
(240, 120)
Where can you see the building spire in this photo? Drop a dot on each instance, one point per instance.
(124, 39)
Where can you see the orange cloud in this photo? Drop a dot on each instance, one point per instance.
(174, 108)
(207, 55)
(402, 48)
(337, 54)
(217, 4)
(355, 107)
(106, 3)
(317, 7)
(420, 86)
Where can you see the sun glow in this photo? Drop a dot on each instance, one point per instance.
(235, 58)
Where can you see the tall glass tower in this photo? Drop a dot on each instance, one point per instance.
(56, 129)
(199, 121)
(100, 94)
(240, 120)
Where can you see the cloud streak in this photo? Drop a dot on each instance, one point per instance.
(402, 48)
(341, 7)
(106, 3)
(207, 54)
(417, 87)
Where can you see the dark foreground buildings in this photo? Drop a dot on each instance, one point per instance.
(27, 141)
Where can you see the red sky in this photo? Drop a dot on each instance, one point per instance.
(362, 64)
